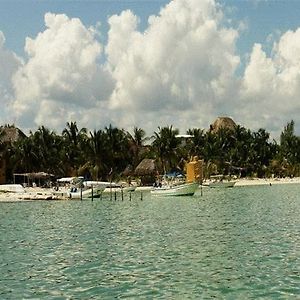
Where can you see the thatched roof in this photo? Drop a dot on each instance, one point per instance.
(146, 167)
(11, 134)
(37, 175)
(222, 122)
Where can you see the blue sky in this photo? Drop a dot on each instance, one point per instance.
(22, 18)
(263, 18)
(245, 65)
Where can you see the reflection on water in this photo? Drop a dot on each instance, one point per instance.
(238, 243)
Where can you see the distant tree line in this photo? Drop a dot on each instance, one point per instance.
(105, 153)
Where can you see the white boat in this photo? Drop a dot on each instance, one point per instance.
(119, 189)
(77, 188)
(77, 193)
(85, 193)
(12, 188)
(221, 181)
(184, 189)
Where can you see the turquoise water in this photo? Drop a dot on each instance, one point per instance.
(240, 243)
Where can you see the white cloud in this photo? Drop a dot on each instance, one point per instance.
(184, 62)
(271, 85)
(180, 71)
(62, 76)
(9, 64)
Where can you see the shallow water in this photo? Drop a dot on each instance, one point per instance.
(240, 243)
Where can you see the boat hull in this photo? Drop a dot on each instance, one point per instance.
(119, 189)
(87, 193)
(222, 184)
(186, 189)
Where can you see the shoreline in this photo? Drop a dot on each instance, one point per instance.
(266, 181)
(33, 194)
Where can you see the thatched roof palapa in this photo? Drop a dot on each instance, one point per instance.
(11, 134)
(146, 167)
(37, 175)
(222, 122)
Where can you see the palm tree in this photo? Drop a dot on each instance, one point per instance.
(117, 148)
(96, 154)
(289, 148)
(74, 140)
(24, 158)
(241, 153)
(196, 146)
(165, 145)
(136, 143)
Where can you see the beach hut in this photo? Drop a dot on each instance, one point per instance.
(8, 135)
(147, 171)
(222, 123)
(35, 178)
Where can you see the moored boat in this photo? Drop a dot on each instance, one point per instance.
(12, 188)
(184, 189)
(119, 189)
(79, 194)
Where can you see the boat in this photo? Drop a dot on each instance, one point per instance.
(221, 181)
(77, 193)
(82, 193)
(77, 188)
(11, 188)
(119, 188)
(183, 189)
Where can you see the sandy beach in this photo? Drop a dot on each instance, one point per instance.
(29, 194)
(267, 181)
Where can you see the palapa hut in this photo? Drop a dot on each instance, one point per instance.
(31, 179)
(11, 134)
(8, 135)
(222, 122)
(147, 171)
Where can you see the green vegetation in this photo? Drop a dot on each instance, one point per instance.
(106, 153)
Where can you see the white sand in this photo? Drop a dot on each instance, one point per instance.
(29, 195)
(267, 181)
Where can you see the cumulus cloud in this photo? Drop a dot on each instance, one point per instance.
(270, 91)
(181, 71)
(62, 76)
(9, 63)
(183, 63)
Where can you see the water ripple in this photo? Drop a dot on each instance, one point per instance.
(241, 243)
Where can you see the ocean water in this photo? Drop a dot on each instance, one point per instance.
(239, 243)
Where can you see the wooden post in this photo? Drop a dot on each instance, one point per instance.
(92, 194)
(110, 191)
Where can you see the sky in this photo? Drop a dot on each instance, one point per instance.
(150, 64)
